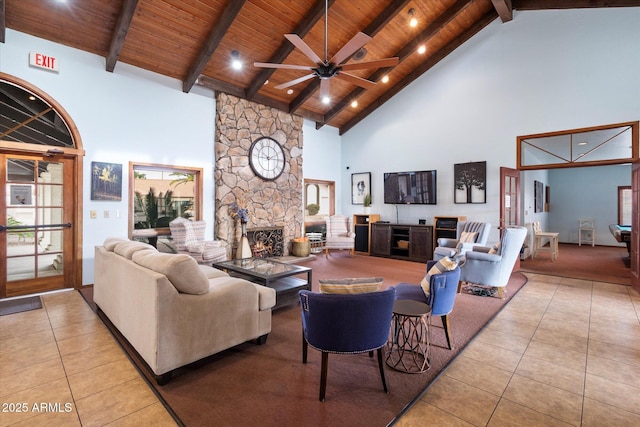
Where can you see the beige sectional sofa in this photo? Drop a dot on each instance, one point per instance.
(172, 310)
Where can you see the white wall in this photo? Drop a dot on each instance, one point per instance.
(128, 115)
(541, 72)
(586, 193)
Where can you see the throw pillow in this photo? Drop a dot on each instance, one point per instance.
(351, 285)
(466, 237)
(495, 248)
(129, 247)
(445, 264)
(181, 270)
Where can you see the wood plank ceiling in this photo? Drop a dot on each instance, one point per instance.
(193, 41)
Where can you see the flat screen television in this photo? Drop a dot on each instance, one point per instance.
(410, 188)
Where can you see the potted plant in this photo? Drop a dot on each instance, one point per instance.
(367, 203)
(313, 208)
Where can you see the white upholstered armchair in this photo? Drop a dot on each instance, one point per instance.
(188, 238)
(492, 266)
(468, 234)
(340, 234)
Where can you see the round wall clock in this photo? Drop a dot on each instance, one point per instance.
(266, 157)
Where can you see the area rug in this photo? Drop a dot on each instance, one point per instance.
(269, 385)
(598, 263)
(19, 305)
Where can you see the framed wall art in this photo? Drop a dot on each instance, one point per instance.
(360, 187)
(106, 181)
(470, 182)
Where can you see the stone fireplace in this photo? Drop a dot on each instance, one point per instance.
(271, 204)
(266, 242)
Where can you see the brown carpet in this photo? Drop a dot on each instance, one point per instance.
(599, 263)
(269, 385)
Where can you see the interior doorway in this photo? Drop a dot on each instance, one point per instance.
(41, 187)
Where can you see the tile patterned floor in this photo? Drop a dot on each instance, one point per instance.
(563, 352)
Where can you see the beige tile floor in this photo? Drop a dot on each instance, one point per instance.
(563, 352)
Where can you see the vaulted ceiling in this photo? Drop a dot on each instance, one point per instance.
(193, 41)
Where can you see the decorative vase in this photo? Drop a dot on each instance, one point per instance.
(244, 250)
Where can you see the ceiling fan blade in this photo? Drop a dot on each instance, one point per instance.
(378, 63)
(350, 48)
(303, 47)
(367, 84)
(285, 66)
(295, 82)
(324, 88)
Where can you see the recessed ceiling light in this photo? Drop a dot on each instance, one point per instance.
(290, 91)
(582, 143)
(422, 49)
(412, 19)
(354, 103)
(265, 82)
(32, 98)
(236, 64)
(385, 79)
(326, 100)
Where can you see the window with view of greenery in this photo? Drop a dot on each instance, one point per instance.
(161, 193)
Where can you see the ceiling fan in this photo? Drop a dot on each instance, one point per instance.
(326, 69)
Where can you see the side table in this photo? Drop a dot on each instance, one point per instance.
(408, 345)
(315, 240)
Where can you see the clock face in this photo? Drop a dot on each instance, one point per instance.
(266, 158)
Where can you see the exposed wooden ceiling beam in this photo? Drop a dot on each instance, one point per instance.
(424, 67)
(218, 31)
(371, 30)
(571, 4)
(286, 47)
(504, 9)
(120, 33)
(3, 27)
(431, 29)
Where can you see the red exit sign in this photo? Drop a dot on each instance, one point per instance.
(41, 60)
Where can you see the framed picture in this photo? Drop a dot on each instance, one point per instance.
(21, 195)
(470, 182)
(538, 196)
(360, 187)
(106, 181)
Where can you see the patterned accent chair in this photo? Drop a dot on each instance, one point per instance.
(340, 234)
(188, 238)
(465, 240)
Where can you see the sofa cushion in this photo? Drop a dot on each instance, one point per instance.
(445, 264)
(129, 247)
(212, 273)
(350, 285)
(111, 242)
(181, 270)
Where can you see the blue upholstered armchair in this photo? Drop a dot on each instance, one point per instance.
(492, 267)
(454, 247)
(346, 323)
(443, 288)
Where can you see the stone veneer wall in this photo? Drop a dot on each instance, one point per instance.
(271, 203)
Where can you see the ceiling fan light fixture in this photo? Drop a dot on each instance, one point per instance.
(236, 64)
(413, 21)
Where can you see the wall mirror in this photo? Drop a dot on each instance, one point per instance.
(600, 145)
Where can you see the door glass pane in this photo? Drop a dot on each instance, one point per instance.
(50, 172)
(20, 268)
(49, 265)
(50, 241)
(20, 170)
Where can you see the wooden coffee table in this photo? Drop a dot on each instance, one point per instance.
(270, 273)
